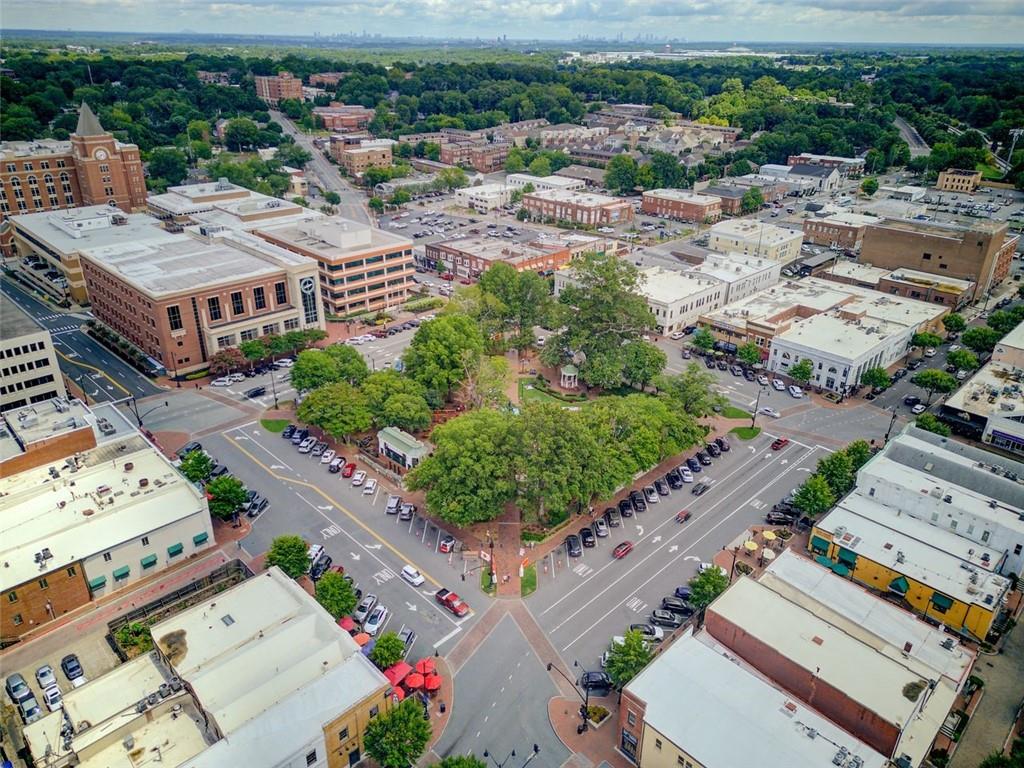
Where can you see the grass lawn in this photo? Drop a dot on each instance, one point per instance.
(746, 433)
(732, 412)
(485, 581)
(527, 394)
(274, 425)
(528, 584)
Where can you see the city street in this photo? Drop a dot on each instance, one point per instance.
(101, 374)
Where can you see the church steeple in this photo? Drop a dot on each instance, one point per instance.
(88, 123)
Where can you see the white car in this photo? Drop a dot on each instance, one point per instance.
(355, 341)
(412, 576)
(540, 341)
(769, 411)
(687, 474)
(52, 698)
(708, 566)
(929, 352)
(236, 378)
(762, 380)
(358, 478)
(370, 487)
(779, 384)
(327, 457)
(376, 620)
(919, 408)
(676, 335)
(954, 347)
(795, 391)
(285, 362)
(223, 381)
(307, 445)
(962, 374)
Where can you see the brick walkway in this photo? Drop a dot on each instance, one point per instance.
(595, 745)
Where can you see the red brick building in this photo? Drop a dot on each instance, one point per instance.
(844, 230)
(485, 158)
(344, 117)
(578, 207)
(473, 256)
(326, 79)
(682, 205)
(273, 88)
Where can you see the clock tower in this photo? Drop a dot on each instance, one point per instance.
(109, 172)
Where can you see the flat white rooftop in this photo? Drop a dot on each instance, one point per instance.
(585, 199)
(850, 338)
(118, 492)
(94, 226)
(732, 266)
(725, 714)
(874, 621)
(1014, 339)
(332, 237)
(926, 553)
(667, 286)
(852, 270)
(756, 232)
(682, 196)
(851, 219)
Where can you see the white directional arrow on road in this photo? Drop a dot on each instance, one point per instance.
(784, 461)
(241, 437)
(693, 558)
(753, 449)
(278, 466)
(803, 469)
(256, 432)
(353, 555)
(326, 508)
(411, 606)
(656, 539)
(375, 546)
(673, 548)
(639, 530)
(427, 592)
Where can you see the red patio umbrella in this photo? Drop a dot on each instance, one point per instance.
(432, 683)
(346, 623)
(415, 680)
(361, 639)
(425, 666)
(396, 673)
(398, 692)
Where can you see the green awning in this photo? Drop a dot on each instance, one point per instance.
(840, 570)
(175, 549)
(819, 544)
(98, 583)
(899, 586)
(847, 557)
(822, 560)
(149, 561)
(200, 538)
(122, 573)
(941, 601)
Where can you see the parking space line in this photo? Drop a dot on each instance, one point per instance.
(402, 557)
(661, 570)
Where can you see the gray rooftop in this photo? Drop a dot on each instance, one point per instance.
(88, 123)
(14, 321)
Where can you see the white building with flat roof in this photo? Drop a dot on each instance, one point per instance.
(698, 704)
(756, 238)
(261, 673)
(741, 274)
(543, 183)
(485, 197)
(678, 298)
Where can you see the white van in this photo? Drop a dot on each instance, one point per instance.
(307, 445)
(412, 576)
(315, 552)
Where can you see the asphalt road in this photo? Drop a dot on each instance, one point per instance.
(307, 500)
(353, 201)
(103, 376)
(581, 602)
(500, 705)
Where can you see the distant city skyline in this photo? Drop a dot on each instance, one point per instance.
(767, 21)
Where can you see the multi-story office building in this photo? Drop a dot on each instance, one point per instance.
(91, 168)
(471, 257)
(258, 675)
(221, 203)
(981, 252)
(543, 183)
(755, 238)
(578, 207)
(49, 244)
(476, 154)
(29, 372)
(115, 511)
(357, 160)
(344, 117)
(184, 300)
(361, 268)
(484, 197)
(682, 205)
(841, 230)
(274, 88)
(326, 79)
(847, 166)
(741, 275)
(958, 180)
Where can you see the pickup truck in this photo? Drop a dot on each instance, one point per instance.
(452, 602)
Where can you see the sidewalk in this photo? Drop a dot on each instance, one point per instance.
(595, 745)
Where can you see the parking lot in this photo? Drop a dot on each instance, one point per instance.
(582, 602)
(306, 499)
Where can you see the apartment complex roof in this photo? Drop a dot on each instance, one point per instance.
(725, 714)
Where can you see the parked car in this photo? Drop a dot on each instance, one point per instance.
(693, 465)
(29, 710)
(708, 566)
(45, 676)
(446, 545)
(778, 384)
(573, 548)
(406, 511)
(223, 381)
(661, 486)
(636, 498)
(320, 567)
(762, 380)
(929, 352)
(393, 503)
(349, 469)
(188, 447)
(651, 494)
(358, 478)
(307, 445)
(587, 537)
(336, 464)
(778, 518)
(795, 391)
(663, 618)
(674, 478)
(919, 409)
(596, 681)
(677, 605)
(376, 620)
(363, 609)
(408, 638)
(612, 517)
(370, 488)
(649, 632)
(723, 444)
(703, 458)
(600, 528)
(625, 508)
(713, 449)
(412, 576)
(17, 689)
(911, 400)
(52, 698)
(288, 431)
(623, 549)
(319, 448)
(686, 475)
(73, 671)
(299, 435)
(683, 592)
(780, 443)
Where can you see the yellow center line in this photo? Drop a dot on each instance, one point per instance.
(351, 516)
(93, 368)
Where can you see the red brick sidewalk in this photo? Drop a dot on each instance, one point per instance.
(596, 744)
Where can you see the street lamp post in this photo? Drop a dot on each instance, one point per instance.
(584, 697)
(273, 386)
(135, 409)
(533, 754)
(757, 403)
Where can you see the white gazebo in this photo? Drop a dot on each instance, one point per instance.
(570, 376)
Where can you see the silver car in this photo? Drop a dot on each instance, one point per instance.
(362, 610)
(376, 620)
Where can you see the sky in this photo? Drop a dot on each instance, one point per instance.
(819, 21)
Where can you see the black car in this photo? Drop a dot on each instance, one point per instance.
(72, 667)
(218, 470)
(699, 489)
(723, 444)
(625, 508)
(675, 480)
(664, 618)
(320, 567)
(288, 431)
(911, 400)
(915, 364)
(572, 545)
(779, 518)
(637, 500)
(661, 487)
(596, 681)
(587, 537)
(693, 464)
(683, 592)
(677, 605)
(748, 374)
(713, 449)
(187, 448)
(709, 362)
(703, 458)
(254, 392)
(722, 365)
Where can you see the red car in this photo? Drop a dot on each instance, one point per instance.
(447, 276)
(781, 443)
(466, 281)
(622, 550)
(348, 470)
(446, 545)
(683, 516)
